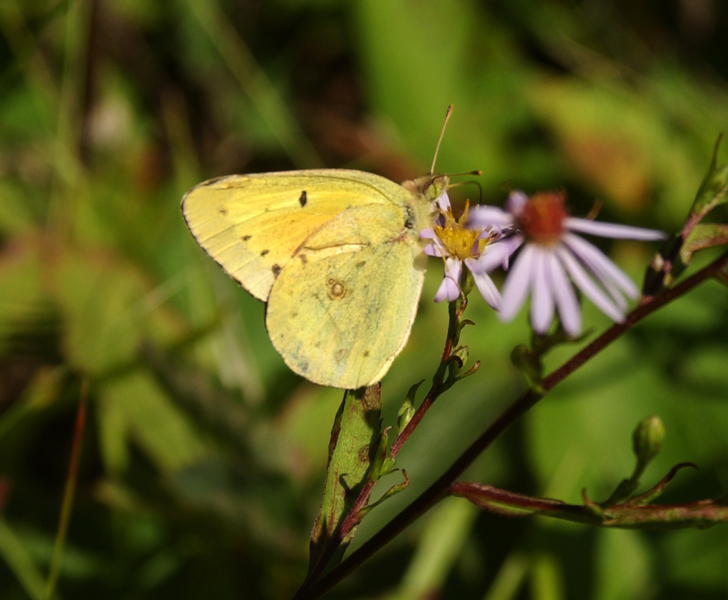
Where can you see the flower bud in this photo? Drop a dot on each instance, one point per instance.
(647, 439)
(407, 410)
(459, 360)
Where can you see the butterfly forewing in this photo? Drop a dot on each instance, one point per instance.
(253, 224)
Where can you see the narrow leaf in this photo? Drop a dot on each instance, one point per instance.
(352, 449)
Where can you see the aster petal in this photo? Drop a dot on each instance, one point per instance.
(434, 248)
(450, 286)
(443, 201)
(613, 230)
(517, 284)
(585, 284)
(454, 268)
(453, 289)
(441, 293)
(483, 216)
(515, 202)
(604, 279)
(493, 255)
(542, 299)
(513, 244)
(599, 264)
(485, 286)
(564, 295)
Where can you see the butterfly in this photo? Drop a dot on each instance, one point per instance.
(335, 253)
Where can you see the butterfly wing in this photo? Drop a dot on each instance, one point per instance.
(253, 224)
(341, 310)
(337, 255)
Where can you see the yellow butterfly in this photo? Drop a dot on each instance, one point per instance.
(335, 253)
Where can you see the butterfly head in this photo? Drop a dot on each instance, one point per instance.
(428, 187)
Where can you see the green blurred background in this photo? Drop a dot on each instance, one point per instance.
(203, 456)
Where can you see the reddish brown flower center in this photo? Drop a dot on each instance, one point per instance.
(542, 218)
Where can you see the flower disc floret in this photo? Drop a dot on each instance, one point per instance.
(457, 240)
(460, 246)
(542, 218)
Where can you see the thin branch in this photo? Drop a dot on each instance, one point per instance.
(517, 409)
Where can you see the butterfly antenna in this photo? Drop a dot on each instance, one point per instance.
(442, 132)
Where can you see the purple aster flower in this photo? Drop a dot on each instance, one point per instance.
(477, 249)
(553, 254)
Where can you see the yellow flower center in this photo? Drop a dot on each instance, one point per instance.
(459, 241)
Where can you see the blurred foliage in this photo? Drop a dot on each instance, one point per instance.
(203, 457)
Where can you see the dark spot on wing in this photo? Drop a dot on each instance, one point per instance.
(340, 354)
(222, 210)
(303, 366)
(264, 252)
(245, 238)
(336, 289)
(366, 353)
(276, 270)
(303, 198)
(304, 258)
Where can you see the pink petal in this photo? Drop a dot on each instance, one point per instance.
(485, 286)
(542, 299)
(564, 295)
(494, 255)
(443, 201)
(483, 216)
(613, 230)
(599, 264)
(515, 202)
(586, 285)
(517, 284)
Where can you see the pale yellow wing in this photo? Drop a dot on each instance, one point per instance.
(341, 310)
(253, 224)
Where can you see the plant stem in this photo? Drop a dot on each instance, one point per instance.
(68, 493)
(517, 409)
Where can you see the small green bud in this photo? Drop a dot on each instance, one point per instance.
(459, 358)
(529, 365)
(647, 439)
(376, 469)
(407, 410)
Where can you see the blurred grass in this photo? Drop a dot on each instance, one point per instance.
(203, 456)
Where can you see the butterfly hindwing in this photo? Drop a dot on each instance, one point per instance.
(350, 294)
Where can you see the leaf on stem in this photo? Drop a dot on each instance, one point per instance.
(353, 447)
(677, 252)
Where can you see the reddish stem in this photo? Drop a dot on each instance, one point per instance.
(518, 408)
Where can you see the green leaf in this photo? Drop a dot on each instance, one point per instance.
(17, 558)
(352, 448)
(704, 235)
(712, 191)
